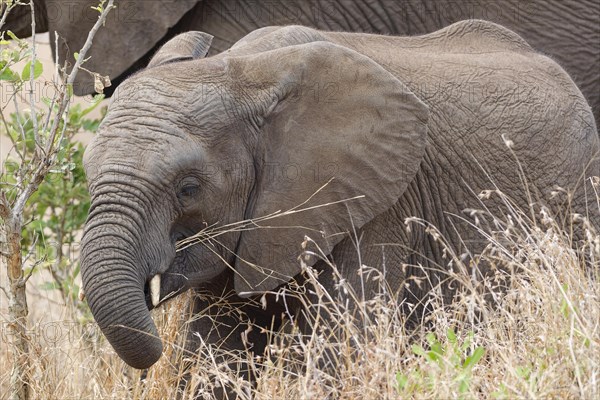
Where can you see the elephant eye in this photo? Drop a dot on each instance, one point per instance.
(188, 191)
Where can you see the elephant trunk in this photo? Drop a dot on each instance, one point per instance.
(114, 279)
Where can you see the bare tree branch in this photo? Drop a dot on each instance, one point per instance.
(32, 110)
(65, 99)
(7, 11)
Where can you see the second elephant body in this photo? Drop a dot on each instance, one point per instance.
(566, 30)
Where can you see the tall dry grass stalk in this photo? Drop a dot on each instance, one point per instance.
(536, 337)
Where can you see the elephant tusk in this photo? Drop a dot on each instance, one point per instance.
(81, 294)
(155, 290)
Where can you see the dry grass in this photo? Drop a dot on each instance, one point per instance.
(540, 338)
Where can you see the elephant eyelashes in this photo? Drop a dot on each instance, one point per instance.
(188, 191)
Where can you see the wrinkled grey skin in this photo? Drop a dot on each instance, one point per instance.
(196, 142)
(566, 30)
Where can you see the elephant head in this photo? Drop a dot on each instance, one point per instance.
(194, 144)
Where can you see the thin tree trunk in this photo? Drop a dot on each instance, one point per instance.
(17, 311)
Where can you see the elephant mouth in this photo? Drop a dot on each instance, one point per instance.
(160, 288)
(154, 295)
(189, 269)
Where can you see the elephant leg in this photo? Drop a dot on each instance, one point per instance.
(230, 327)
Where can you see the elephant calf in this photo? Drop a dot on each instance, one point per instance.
(353, 132)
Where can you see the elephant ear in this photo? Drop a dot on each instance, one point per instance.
(332, 125)
(187, 46)
(131, 30)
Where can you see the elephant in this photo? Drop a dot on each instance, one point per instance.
(296, 143)
(567, 31)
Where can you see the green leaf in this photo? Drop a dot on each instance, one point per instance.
(437, 349)
(431, 338)
(90, 125)
(16, 55)
(451, 336)
(418, 350)
(433, 356)
(474, 358)
(6, 73)
(76, 56)
(463, 386)
(467, 343)
(12, 35)
(401, 381)
(38, 68)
